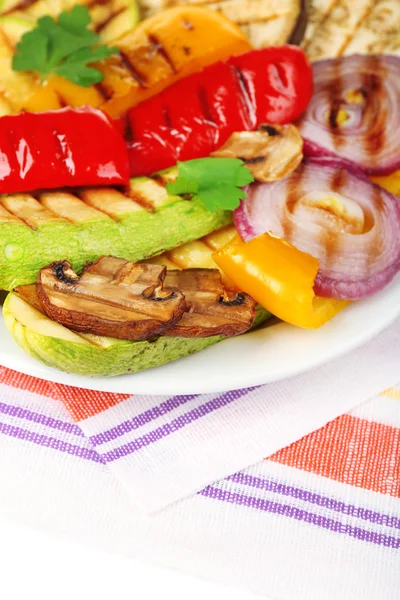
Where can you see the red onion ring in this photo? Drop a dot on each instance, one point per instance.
(338, 215)
(355, 112)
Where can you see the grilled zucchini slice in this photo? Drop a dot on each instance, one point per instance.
(134, 224)
(93, 356)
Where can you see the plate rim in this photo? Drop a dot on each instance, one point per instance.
(126, 383)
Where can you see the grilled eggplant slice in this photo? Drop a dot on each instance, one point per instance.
(133, 224)
(265, 22)
(112, 297)
(338, 27)
(211, 312)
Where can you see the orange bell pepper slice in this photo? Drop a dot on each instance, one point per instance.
(165, 48)
(159, 51)
(279, 277)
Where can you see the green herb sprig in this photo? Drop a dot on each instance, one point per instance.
(65, 47)
(216, 181)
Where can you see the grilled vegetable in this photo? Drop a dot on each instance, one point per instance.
(270, 153)
(265, 22)
(128, 301)
(110, 18)
(280, 277)
(164, 49)
(91, 355)
(15, 87)
(338, 216)
(76, 147)
(211, 311)
(112, 297)
(159, 51)
(355, 113)
(136, 223)
(344, 27)
(272, 85)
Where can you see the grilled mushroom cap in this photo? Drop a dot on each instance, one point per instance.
(270, 153)
(112, 297)
(211, 312)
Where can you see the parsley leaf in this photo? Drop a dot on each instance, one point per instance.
(216, 181)
(65, 47)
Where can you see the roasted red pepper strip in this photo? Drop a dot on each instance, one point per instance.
(196, 115)
(67, 147)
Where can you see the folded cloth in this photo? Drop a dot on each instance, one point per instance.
(319, 519)
(163, 449)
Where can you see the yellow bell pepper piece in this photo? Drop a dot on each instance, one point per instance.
(279, 277)
(57, 92)
(389, 182)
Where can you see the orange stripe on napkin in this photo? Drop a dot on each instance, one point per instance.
(350, 450)
(79, 402)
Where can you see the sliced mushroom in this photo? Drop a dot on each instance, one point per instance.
(270, 153)
(112, 297)
(211, 311)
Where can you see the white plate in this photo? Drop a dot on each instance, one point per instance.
(270, 354)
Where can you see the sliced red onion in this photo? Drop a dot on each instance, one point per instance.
(335, 214)
(355, 112)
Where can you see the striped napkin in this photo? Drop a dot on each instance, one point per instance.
(151, 443)
(182, 480)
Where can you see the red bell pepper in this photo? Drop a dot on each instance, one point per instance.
(67, 147)
(196, 115)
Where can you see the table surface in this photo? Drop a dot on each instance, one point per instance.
(36, 564)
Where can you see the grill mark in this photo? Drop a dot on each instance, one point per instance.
(139, 199)
(320, 23)
(159, 48)
(60, 99)
(103, 91)
(359, 25)
(93, 3)
(372, 86)
(269, 129)
(245, 96)
(252, 161)
(133, 72)
(294, 192)
(335, 91)
(338, 180)
(205, 107)
(159, 179)
(24, 4)
(167, 117)
(103, 24)
(256, 20)
(329, 238)
(128, 131)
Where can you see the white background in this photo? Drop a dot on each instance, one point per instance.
(35, 564)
